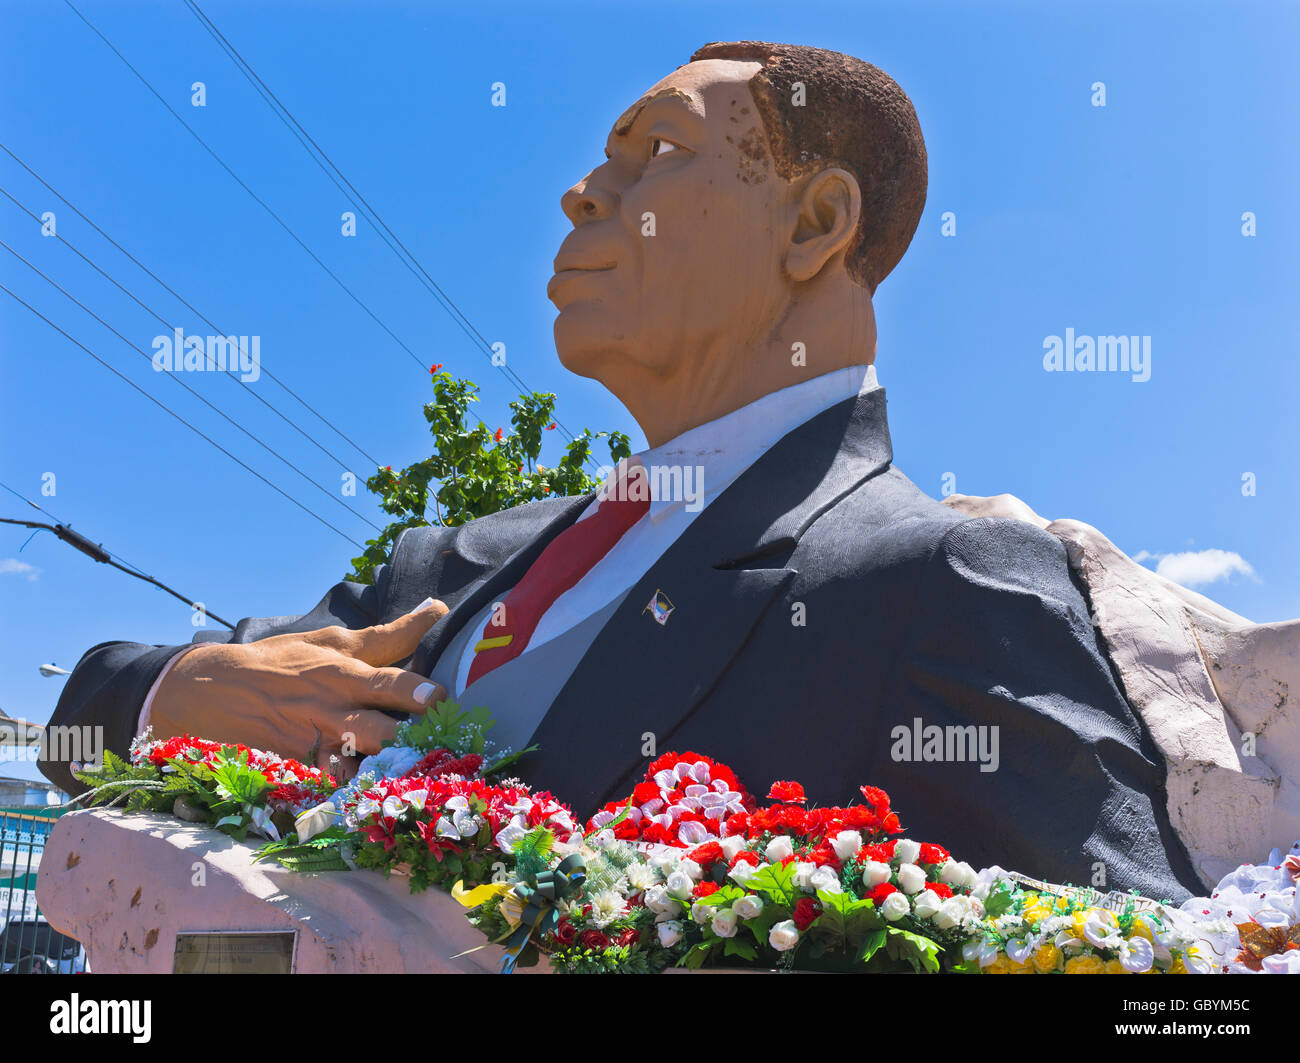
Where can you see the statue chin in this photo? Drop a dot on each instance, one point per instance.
(584, 344)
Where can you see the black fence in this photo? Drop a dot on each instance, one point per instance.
(28, 944)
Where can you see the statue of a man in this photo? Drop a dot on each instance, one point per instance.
(762, 584)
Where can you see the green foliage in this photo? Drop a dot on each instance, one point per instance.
(475, 471)
(321, 853)
(920, 952)
(445, 725)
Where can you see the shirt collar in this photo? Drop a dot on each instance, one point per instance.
(715, 453)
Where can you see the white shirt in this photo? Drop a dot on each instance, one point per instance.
(715, 453)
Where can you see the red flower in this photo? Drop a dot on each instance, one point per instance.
(805, 913)
(940, 888)
(882, 891)
(551, 427)
(628, 936)
(435, 367)
(389, 468)
(790, 792)
(500, 434)
(933, 854)
(593, 939)
(746, 857)
(707, 854)
(706, 888)
(565, 933)
(824, 856)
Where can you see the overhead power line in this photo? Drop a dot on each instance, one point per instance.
(301, 401)
(221, 413)
(163, 406)
(404, 255)
(96, 552)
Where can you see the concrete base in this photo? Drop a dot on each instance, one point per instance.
(124, 884)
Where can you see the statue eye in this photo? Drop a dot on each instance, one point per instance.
(659, 146)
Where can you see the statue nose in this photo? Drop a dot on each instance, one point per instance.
(587, 201)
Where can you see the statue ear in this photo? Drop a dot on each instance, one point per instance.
(828, 209)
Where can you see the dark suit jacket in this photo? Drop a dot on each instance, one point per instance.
(821, 602)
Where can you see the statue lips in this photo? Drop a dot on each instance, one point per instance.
(570, 271)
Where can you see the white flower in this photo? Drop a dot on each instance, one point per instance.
(659, 901)
(743, 872)
(1020, 949)
(702, 913)
(926, 904)
(951, 873)
(365, 808)
(680, 885)
(416, 798)
(394, 806)
(783, 936)
(950, 913)
(846, 844)
(732, 845)
(874, 873)
(895, 906)
(911, 879)
(314, 820)
(606, 906)
(907, 850)
(803, 873)
(691, 868)
(1101, 930)
(1136, 955)
(749, 906)
(640, 876)
(779, 848)
(670, 933)
(725, 923)
(826, 878)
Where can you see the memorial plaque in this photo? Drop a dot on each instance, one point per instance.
(235, 952)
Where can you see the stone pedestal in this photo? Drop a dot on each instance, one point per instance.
(125, 884)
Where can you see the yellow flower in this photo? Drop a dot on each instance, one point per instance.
(1177, 967)
(1085, 965)
(1115, 967)
(1141, 929)
(1020, 968)
(1001, 965)
(1046, 958)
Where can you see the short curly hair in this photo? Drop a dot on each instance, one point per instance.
(853, 115)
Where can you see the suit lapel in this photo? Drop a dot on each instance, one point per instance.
(640, 676)
(495, 584)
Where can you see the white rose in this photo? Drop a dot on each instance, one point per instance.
(826, 878)
(783, 936)
(725, 923)
(911, 879)
(732, 845)
(874, 873)
(314, 820)
(779, 848)
(951, 873)
(748, 907)
(907, 850)
(969, 875)
(895, 907)
(846, 844)
(803, 873)
(702, 913)
(657, 899)
(926, 904)
(950, 914)
(743, 872)
(680, 885)
(691, 868)
(670, 933)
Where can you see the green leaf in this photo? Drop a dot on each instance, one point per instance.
(920, 952)
(739, 947)
(775, 883)
(871, 943)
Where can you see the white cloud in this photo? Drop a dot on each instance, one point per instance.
(1196, 568)
(12, 566)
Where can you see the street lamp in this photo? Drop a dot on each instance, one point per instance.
(53, 669)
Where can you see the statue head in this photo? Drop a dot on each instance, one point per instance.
(749, 203)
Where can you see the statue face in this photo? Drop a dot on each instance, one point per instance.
(677, 238)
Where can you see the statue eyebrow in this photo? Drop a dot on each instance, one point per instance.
(629, 116)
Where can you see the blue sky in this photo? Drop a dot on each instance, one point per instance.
(1123, 219)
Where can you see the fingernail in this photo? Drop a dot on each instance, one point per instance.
(424, 692)
(423, 605)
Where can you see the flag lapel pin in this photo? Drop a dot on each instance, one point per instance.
(659, 607)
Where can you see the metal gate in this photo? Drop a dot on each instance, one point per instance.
(28, 944)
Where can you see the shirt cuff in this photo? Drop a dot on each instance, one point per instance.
(142, 724)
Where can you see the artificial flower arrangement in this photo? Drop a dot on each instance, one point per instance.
(689, 871)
